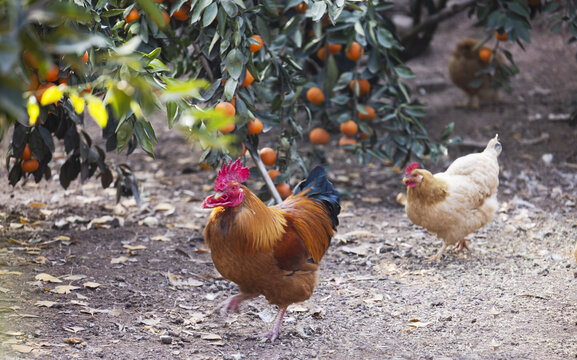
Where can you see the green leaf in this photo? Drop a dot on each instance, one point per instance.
(209, 14)
(171, 113)
(318, 10)
(230, 7)
(152, 11)
(124, 134)
(198, 9)
(143, 138)
(404, 71)
(177, 89)
(234, 63)
(230, 88)
(518, 8)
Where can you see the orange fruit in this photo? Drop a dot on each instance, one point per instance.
(132, 16)
(364, 86)
(322, 53)
(26, 154)
(315, 96)
(335, 48)
(159, 1)
(363, 135)
(319, 136)
(85, 57)
(268, 156)
(248, 79)
(485, 54)
(225, 108)
(501, 36)
(272, 173)
(354, 51)
(302, 7)
(29, 165)
(181, 14)
(166, 17)
(349, 128)
(345, 140)
(225, 129)
(243, 152)
(284, 190)
(52, 73)
(233, 101)
(370, 115)
(256, 47)
(255, 126)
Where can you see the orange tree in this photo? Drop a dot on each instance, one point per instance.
(119, 61)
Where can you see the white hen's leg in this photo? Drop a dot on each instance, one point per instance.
(462, 245)
(439, 254)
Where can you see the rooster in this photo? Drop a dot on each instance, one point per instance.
(458, 201)
(465, 71)
(272, 251)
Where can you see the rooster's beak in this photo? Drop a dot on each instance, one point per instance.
(217, 195)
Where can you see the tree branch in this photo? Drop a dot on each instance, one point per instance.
(438, 17)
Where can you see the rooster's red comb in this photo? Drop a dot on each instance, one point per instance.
(234, 171)
(411, 167)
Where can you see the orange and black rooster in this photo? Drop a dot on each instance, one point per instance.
(272, 251)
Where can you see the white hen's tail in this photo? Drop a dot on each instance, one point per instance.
(494, 146)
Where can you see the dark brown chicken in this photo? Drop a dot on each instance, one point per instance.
(272, 251)
(466, 70)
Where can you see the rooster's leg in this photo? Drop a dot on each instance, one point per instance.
(232, 303)
(439, 254)
(462, 245)
(272, 335)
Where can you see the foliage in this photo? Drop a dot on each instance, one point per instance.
(119, 70)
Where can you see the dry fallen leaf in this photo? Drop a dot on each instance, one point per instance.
(13, 333)
(494, 312)
(47, 278)
(74, 329)
(23, 349)
(73, 340)
(160, 238)
(134, 247)
(74, 277)
(211, 337)
(45, 303)
(64, 289)
(7, 272)
(119, 260)
(37, 204)
(417, 323)
(91, 285)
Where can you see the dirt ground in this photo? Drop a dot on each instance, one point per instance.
(84, 278)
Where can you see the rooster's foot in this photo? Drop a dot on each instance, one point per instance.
(232, 304)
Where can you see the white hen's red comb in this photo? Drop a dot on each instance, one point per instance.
(411, 167)
(234, 171)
